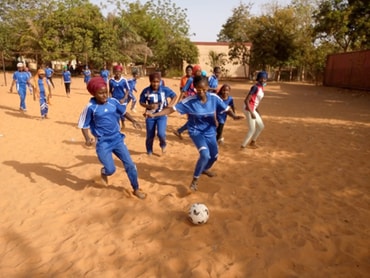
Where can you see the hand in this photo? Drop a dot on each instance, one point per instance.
(148, 115)
(253, 116)
(153, 106)
(89, 142)
(238, 117)
(136, 125)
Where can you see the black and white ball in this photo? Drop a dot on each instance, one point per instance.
(198, 214)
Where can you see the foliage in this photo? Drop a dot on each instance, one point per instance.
(236, 31)
(344, 23)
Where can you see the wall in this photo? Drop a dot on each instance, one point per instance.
(233, 71)
(348, 70)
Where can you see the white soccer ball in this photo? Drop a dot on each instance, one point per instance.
(198, 214)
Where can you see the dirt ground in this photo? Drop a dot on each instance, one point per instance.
(298, 206)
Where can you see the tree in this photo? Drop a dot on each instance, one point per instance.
(236, 31)
(344, 23)
(274, 39)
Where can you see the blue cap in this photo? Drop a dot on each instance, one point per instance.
(261, 74)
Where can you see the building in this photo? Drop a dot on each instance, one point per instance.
(222, 49)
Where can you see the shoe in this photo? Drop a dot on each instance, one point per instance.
(139, 194)
(194, 185)
(163, 150)
(178, 134)
(209, 173)
(253, 145)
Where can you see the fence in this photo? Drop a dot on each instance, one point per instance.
(348, 70)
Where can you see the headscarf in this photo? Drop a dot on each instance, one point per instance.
(95, 84)
(196, 68)
(117, 68)
(154, 75)
(204, 73)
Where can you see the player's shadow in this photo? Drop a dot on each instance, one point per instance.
(57, 175)
(20, 114)
(146, 173)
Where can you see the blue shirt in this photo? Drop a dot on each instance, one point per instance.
(40, 83)
(21, 78)
(66, 76)
(49, 72)
(87, 75)
(118, 88)
(148, 96)
(221, 115)
(104, 73)
(201, 116)
(213, 82)
(132, 84)
(102, 119)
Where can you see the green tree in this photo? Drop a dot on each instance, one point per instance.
(274, 39)
(344, 23)
(237, 31)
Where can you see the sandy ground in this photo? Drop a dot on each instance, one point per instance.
(298, 206)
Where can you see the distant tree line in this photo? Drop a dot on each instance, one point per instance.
(298, 36)
(157, 32)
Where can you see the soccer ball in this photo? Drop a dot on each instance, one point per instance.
(198, 214)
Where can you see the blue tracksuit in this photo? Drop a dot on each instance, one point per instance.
(103, 121)
(148, 96)
(21, 78)
(202, 127)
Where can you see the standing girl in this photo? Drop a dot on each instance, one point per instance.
(21, 80)
(224, 94)
(87, 75)
(132, 85)
(251, 103)
(154, 99)
(66, 78)
(39, 87)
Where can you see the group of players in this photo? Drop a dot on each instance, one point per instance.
(205, 106)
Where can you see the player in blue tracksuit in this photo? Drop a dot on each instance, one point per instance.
(154, 99)
(67, 80)
(101, 116)
(104, 73)
(131, 96)
(119, 88)
(224, 94)
(49, 75)
(201, 110)
(87, 74)
(21, 80)
(213, 80)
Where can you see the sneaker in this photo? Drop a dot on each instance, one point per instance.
(194, 185)
(139, 194)
(163, 150)
(209, 173)
(178, 134)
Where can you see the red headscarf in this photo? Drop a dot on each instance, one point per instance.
(118, 68)
(95, 84)
(196, 68)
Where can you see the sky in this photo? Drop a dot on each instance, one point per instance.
(206, 17)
